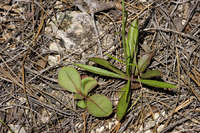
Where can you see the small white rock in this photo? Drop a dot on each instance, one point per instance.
(116, 122)
(67, 41)
(16, 128)
(156, 116)
(22, 100)
(53, 60)
(48, 30)
(149, 124)
(110, 124)
(148, 131)
(78, 125)
(163, 114)
(45, 116)
(183, 22)
(76, 28)
(92, 131)
(160, 128)
(59, 5)
(9, 103)
(143, 1)
(54, 46)
(100, 130)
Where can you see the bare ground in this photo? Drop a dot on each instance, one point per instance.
(32, 101)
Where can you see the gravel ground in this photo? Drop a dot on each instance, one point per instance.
(38, 37)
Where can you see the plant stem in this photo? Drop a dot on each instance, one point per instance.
(123, 30)
(4, 124)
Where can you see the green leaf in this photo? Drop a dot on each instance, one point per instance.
(114, 58)
(128, 52)
(128, 59)
(133, 38)
(151, 74)
(99, 71)
(107, 65)
(78, 96)
(88, 84)
(124, 17)
(69, 79)
(124, 101)
(143, 62)
(81, 104)
(99, 105)
(158, 84)
(134, 63)
(133, 43)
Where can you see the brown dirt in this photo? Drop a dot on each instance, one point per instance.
(31, 98)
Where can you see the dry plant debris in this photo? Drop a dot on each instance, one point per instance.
(32, 101)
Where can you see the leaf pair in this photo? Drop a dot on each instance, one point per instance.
(131, 48)
(116, 73)
(97, 105)
(143, 63)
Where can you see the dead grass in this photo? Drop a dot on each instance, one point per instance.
(29, 93)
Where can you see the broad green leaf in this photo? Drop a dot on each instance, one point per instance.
(99, 105)
(78, 96)
(107, 65)
(158, 84)
(99, 71)
(69, 79)
(124, 101)
(88, 84)
(143, 62)
(81, 104)
(133, 38)
(151, 74)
